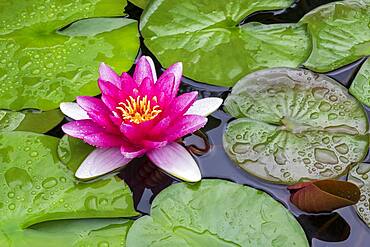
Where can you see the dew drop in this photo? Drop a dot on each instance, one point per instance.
(325, 156)
(18, 178)
(49, 183)
(11, 206)
(342, 148)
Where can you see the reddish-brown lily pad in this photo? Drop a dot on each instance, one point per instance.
(323, 195)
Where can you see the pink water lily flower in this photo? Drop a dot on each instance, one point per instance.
(138, 116)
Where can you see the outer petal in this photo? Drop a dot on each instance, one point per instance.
(164, 89)
(132, 152)
(205, 107)
(81, 128)
(101, 161)
(143, 69)
(73, 110)
(186, 125)
(108, 74)
(176, 160)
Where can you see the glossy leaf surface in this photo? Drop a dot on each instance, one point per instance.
(37, 187)
(215, 213)
(360, 176)
(205, 36)
(323, 195)
(340, 34)
(294, 125)
(360, 87)
(33, 121)
(41, 67)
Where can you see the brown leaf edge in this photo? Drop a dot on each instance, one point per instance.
(323, 195)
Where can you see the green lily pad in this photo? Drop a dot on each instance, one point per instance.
(40, 67)
(140, 3)
(205, 36)
(293, 126)
(360, 87)
(359, 175)
(215, 213)
(76, 233)
(340, 34)
(37, 187)
(39, 122)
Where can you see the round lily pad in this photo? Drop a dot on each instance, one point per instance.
(206, 36)
(294, 125)
(360, 175)
(216, 213)
(37, 187)
(360, 87)
(42, 65)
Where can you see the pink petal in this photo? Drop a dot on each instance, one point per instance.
(186, 125)
(110, 102)
(107, 74)
(181, 104)
(164, 89)
(101, 161)
(81, 128)
(73, 110)
(143, 69)
(132, 152)
(128, 84)
(176, 161)
(103, 140)
(149, 145)
(132, 132)
(146, 87)
(109, 89)
(176, 70)
(97, 111)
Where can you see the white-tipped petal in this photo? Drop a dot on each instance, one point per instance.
(108, 74)
(154, 72)
(205, 107)
(73, 110)
(176, 161)
(101, 161)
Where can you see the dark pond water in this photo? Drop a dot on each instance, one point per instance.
(339, 228)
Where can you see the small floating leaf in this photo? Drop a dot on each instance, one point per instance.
(323, 195)
(360, 87)
(42, 66)
(37, 187)
(360, 175)
(294, 126)
(33, 121)
(206, 36)
(140, 3)
(215, 213)
(340, 34)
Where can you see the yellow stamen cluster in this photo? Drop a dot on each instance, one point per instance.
(139, 110)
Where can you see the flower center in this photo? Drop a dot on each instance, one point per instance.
(139, 110)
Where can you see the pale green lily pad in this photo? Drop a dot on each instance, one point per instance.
(294, 126)
(340, 34)
(359, 175)
(216, 213)
(37, 187)
(360, 87)
(41, 66)
(34, 121)
(205, 36)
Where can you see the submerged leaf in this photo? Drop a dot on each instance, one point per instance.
(360, 87)
(205, 36)
(323, 195)
(360, 175)
(41, 67)
(340, 34)
(37, 187)
(216, 213)
(293, 126)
